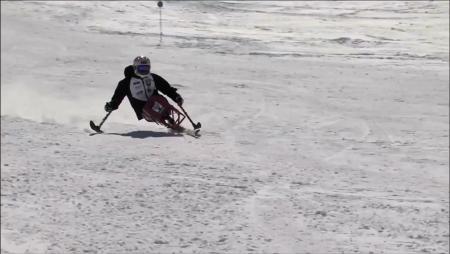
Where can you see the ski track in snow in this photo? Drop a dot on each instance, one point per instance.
(319, 136)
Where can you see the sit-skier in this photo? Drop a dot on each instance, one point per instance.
(142, 87)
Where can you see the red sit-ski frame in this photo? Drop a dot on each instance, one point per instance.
(158, 109)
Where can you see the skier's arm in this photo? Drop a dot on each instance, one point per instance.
(119, 94)
(164, 86)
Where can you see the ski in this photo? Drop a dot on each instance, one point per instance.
(193, 133)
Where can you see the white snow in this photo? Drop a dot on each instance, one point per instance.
(325, 128)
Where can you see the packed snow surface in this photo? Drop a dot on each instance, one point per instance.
(325, 128)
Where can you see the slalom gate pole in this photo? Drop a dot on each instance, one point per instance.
(160, 5)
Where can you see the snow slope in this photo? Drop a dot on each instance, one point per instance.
(325, 128)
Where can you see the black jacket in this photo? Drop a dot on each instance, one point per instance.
(124, 88)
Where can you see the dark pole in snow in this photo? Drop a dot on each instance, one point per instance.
(160, 5)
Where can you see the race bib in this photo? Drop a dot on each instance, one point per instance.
(142, 89)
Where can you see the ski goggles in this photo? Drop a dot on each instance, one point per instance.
(143, 69)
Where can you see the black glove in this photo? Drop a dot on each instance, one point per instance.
(108, 107)
(179, 100)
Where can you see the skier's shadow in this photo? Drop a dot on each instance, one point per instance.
(146, 134)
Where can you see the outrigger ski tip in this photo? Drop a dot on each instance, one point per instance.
(197, 126)
(95, 127)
